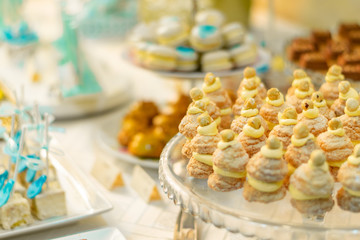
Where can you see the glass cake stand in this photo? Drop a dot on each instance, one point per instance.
(261, 65)
(277, 220)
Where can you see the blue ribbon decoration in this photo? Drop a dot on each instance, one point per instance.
(36, 187)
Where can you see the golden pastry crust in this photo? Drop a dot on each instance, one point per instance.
(198, 169)
(294, 101)
(338, 107)
(316, 125)
(220, 98)
(225, 122)
(313, 180)
(239, 104)
(316, 207)
(250, 73)
(283, 133)
(239, 122)
(347, 201)
(145, 145)
(336, 148)
(233, 159)
(299, 155)
(187, 149)
(250, 144)
(330, 90)
(224, 184)
(297, 75)
(351, 126)
(261, 89)
(204, 144)
(327, 112)
(188, 125)
(253, 195)
(266, 169)
(270, 112)
(348, 176)
(130, 128)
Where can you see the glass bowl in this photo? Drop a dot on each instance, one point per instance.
(229, 210)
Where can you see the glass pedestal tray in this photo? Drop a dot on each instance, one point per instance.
(277, 220)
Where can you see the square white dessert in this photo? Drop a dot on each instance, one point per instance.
(16, 212)
(49, 203)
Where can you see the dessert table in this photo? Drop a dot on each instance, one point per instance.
(135, 218)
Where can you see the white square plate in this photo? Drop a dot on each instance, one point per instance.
(83, 196)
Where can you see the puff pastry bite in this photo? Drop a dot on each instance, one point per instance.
(345, 92)
(348, 197)
(229, 164)
(253, 136)
(274, 104)
(266, 172)
(330, 88)
(311, 187)
(203, 146)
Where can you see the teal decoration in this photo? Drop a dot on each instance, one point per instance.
(108, 18)
(206, 30)
(68, 45)
(3, 178)
(36, 187)
(21, 35)
(30, 175)
(14, 30)
(5, 192)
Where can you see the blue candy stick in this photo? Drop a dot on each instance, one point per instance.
(3, 178)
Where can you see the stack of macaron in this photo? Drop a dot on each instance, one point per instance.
(210, 44)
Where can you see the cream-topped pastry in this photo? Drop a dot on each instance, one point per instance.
(274, 104)
(335, 144)
(249, 110)
(250, 73)
(248, 91)
(351, 120)
(284, 131)
(302, 91)
(253, 136)
(197, 95)
(189, 124)
(312, 118)
(266, 172)
(345, 92)
(203, 145)
(321, 105)
(330, 88)
(213, 90)
(299, 76)
(348, 197)
(301, 146)
(311, 187)
(229, 164)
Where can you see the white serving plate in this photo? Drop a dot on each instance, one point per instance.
(110, 233)
(83, 196)
(105, 138)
